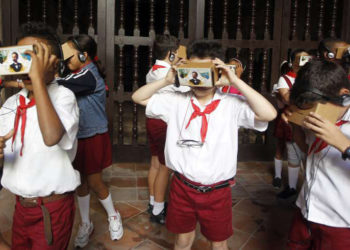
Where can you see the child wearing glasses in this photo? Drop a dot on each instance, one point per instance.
(201, 146)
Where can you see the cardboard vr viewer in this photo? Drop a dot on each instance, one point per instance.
(327, 110)
(195, 74)
(13, 60)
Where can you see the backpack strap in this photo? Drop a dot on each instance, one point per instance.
(288, 81)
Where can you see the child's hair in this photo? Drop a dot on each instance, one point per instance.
(286, 65)
(87, 44)
(165, 44)
(328, 45)
(42, 31)
(325, 76)
(205, 49)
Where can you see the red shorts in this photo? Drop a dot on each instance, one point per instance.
(282, 130)
(93, 154)
(213, 211)
(305, 235)
(156, 131)
(28, 225)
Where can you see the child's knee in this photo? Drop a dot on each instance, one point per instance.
(184, 241)
(219, 244)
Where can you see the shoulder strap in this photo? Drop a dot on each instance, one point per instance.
(287, 81)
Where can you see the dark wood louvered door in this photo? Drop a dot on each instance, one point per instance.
(260, 33)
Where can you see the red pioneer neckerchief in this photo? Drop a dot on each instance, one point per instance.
(21, 113)
(197, 112)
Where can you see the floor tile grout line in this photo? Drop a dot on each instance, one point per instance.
(251, 236)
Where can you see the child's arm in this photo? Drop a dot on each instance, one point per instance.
(42, 72)
(3, 140)
(142, 95)
(284, 93)
(263, 109)
(82, 83)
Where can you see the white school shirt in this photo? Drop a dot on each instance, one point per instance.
(327, 185)
(41, 170)
(216, 160)
(160, 73)
(282, 84)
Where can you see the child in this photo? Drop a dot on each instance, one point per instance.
(283, 132)
(239, 71)
(201, 140)
(94, 146)
(38, 128)
(323, 220)
(165, 48)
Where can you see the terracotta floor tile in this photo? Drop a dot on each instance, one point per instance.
(142, 194)
(245, 222)
(238, 192)
(261, 191)
(141, 205)
(255, 244)
(237, 240)
(122, 181)
(126, 210)
(130, 239)
(125, 169)
(123, 194)
(142, 169)
(142, 181)
(246, 179)
(201, 244)
(249, 206)
(153, 231)
(148, 245)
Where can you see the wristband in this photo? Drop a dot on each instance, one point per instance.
(346, 154)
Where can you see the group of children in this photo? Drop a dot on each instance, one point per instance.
(63, 144)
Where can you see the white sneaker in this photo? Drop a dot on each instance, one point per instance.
(115, 227)
(84, 232)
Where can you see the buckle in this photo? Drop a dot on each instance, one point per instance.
(204, 189)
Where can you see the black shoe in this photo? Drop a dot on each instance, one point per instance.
(160, 218)
(287, 193)
(150, 208)
(277, 182)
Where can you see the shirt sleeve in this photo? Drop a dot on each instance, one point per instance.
(282, 84)
(68, 112)
(246, 117)
(82, 83)
(161, 105)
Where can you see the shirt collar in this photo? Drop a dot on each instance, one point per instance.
(218, 95)
(346, 116)
(162, 63)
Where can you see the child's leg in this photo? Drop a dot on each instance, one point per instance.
(294, 160)
(160, 187)
(83, 197)
(184, 241)
(222, 245)
(280, 147)
(96, 183)
(152, 175)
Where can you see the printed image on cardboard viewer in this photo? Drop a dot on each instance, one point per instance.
(199, 77)
(14, 61)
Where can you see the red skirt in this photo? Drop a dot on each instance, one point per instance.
(282, 130)
(156, 131)
(94, 154)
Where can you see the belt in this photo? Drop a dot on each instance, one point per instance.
(205, 189)
(40, 201)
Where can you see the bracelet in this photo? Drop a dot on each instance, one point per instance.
(19, 81)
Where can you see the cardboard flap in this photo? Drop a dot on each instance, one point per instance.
(181, 52)
(68, 51)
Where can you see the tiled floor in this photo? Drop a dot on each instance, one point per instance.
(259, 220)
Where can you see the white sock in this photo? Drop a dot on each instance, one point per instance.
(108, 205)
(278, 168)
(293, 174)
(84, 208)
(151, 200)
(158, 207)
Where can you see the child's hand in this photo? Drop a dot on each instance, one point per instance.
(326, 131)
(3, 140)
(170, 77)
(43, 64)
(286, 113)
(231, 76)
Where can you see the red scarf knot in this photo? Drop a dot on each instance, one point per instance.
(197, 112)
(322, 144)
(155, 67)
(21, 113)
